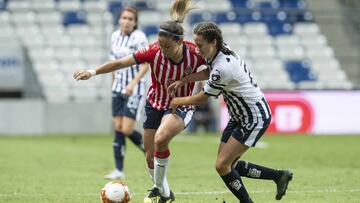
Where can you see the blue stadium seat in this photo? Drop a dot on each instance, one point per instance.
(248, 17)
(292, 4)
(198, 17)
(151, 29)
(74, 17)
(242, 4)
(278, 28)
(268, 5)
(143, 5)
(299, 71)
(114, 7)
(225, 17)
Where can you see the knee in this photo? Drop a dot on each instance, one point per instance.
(222, 168)
(161, 141)
(127, 131)
(117, 126)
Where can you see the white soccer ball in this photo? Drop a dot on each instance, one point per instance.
(115, 192)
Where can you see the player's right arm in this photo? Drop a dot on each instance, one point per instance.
(198, 76)
(105, 68)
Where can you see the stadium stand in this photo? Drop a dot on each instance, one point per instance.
(279, 38)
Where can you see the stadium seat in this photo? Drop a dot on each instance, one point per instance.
(151, 29)
(74, 17)
(299, 71)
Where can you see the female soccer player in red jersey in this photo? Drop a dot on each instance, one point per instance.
(250, 115)
(170, 59)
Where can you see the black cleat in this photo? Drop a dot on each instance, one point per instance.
(282, 183)
(169, 199)
(153, 196)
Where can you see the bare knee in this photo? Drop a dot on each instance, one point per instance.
(161, 141)
(222, 168)
(117, 126)
(127, 131)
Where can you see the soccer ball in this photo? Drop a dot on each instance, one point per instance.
(115, 192)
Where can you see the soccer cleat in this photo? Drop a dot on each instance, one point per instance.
(115, 174)
(282, 183)
(153, 196)
(169, 199)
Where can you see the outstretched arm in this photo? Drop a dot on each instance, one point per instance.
(197, 99)
(105, 68)
(202, 75)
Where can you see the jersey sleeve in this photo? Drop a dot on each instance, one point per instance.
(218, 80)
(145, 54)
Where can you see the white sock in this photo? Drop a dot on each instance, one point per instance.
(166, 188)
(150, 172)
(161, 166)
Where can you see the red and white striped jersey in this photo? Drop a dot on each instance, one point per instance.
(164, 72)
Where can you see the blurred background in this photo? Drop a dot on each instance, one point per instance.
(303, 54)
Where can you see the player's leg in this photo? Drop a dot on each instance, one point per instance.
(170, 126)
(119, 142)
(280, 177)
(150, 127)
(228, 153)
(130, 113)
(128, 125)
(250, 170)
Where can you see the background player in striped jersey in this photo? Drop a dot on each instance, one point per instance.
(250, 115)
(128, 87)
(170, 59)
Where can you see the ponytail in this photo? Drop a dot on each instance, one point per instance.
(173, 28)
(179, 10)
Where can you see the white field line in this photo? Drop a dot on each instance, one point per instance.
(186, 193)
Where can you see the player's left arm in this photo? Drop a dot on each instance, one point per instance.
(130, 88)
(197, 99)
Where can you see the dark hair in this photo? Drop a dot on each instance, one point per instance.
(210, 32)
(133, 11)
(173, 28)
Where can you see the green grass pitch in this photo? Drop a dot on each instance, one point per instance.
(71, 168)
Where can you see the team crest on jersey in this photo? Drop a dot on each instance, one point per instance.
(215, 76)
(188, 70)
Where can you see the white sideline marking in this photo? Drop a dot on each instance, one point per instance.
(187, 193)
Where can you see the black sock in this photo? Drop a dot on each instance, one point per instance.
(137, 139)
(255, 171)
(119, 150)
(234, 183)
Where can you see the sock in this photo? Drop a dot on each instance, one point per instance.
(137, 139)
(119, 150)
(255, 171)
(161, 161)
(165, 183)
(234, 183)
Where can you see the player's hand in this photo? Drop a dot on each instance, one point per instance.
(173, 87)
(129, 89)
(82, 75)
(174, 105)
